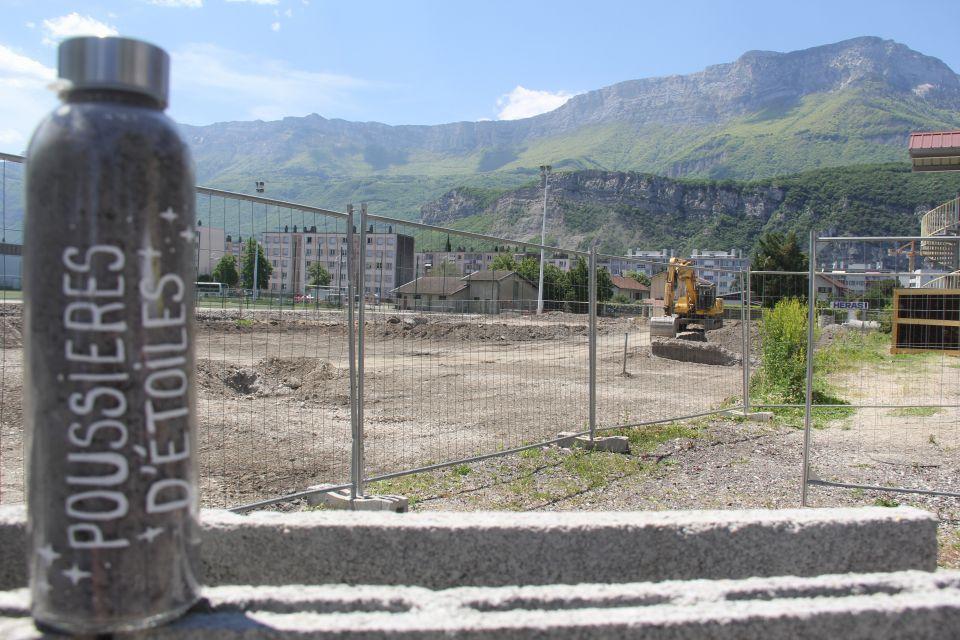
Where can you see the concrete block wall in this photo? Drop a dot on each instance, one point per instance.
(445, 550)
(852, 607)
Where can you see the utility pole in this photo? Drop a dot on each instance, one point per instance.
(545, 174)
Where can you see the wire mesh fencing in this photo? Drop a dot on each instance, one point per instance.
(11, 342)
(885, 368)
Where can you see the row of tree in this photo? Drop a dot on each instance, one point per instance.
(227, 273)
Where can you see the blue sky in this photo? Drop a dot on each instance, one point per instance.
(426, 62)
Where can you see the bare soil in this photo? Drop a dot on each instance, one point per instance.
(273, 392)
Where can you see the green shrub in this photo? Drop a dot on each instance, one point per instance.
(783, 360)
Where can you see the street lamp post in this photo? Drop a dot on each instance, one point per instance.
(545, 174)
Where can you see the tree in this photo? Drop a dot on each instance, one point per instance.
(319, 276)
(264, 268)
(555, 283)
(226, 271)
(778, 252)
(638, 276)
(504, 262)
(447, 247)
(204, 277)
(579, 284)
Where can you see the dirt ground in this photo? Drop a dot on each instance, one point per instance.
(273, 392)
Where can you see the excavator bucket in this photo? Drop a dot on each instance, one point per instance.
(664, 327)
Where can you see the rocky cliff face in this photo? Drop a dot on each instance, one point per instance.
(623, 210)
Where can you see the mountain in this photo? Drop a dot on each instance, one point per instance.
(764, 114)
(624, 210)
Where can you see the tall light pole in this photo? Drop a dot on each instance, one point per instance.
(545, 174)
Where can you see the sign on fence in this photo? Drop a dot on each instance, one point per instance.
(849, 304)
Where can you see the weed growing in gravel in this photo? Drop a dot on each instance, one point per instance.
(914, 412)
(886, 502)
(646, 438)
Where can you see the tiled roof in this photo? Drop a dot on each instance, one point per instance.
(489, 275)
(621, 282)
(934, 141)
(434, 285)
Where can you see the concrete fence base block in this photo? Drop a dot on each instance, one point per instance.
(876, 606)
(752, 416)
(566, 439)
(613, 444)
(342, 501)
(443, 550)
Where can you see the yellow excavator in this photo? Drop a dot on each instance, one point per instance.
(686, 301)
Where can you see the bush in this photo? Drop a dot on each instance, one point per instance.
(784, 350)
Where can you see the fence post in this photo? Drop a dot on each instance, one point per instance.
(808, 403)
(362, 302)
(745, 313)
(592, 296)
(625, 338)
(352, 354)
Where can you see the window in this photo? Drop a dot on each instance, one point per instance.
(274, 263)
(390, 253)
(286, 251)
(380, 241)
(275, 251)
(443, 297)
(331, 241)
(390, 241)
(308, 263)
(309, 252)
(369, 240)
(332, 252)
(389, 265)
(286, 239)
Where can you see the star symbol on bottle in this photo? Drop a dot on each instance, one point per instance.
(169, 215)
(42, 584)
(48, 555)
(188, 234)
(75, 574)
(150, 533)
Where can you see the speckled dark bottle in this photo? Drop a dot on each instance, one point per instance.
(108, 308)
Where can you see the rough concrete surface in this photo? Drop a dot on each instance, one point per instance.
(875, 606)
(445, 550)
(690, 351)
(341, 500)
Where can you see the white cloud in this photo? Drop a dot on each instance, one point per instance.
(270, 2)
(275, 26)
(74, 24)
(233, 85)
(524, 103)
(288, 13)
(26, 99)
(31, 25)
(189, 4)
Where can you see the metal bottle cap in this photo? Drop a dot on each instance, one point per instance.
(123, 64)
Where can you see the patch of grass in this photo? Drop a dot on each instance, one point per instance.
(595, 468)
(914, 412)
(415, 486)
(532, 454)
(462, 470)
(646, 438)
(245, 322)
(886, 502)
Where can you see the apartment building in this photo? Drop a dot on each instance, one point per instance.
(465, 261)
(388, 259)
(721, 268)
(211, 247)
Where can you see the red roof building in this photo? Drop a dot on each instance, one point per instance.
(935, 150)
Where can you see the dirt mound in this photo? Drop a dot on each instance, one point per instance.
(11, 332)
(303, 377)
(425, 329)
(730, 336)
(690, 351)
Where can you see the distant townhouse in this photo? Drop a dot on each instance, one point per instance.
(630, 288)
(478, 292)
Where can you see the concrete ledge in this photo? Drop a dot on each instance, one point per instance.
(877, 606)
(443, 550)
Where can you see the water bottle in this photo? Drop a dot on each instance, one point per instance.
(109, 399)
